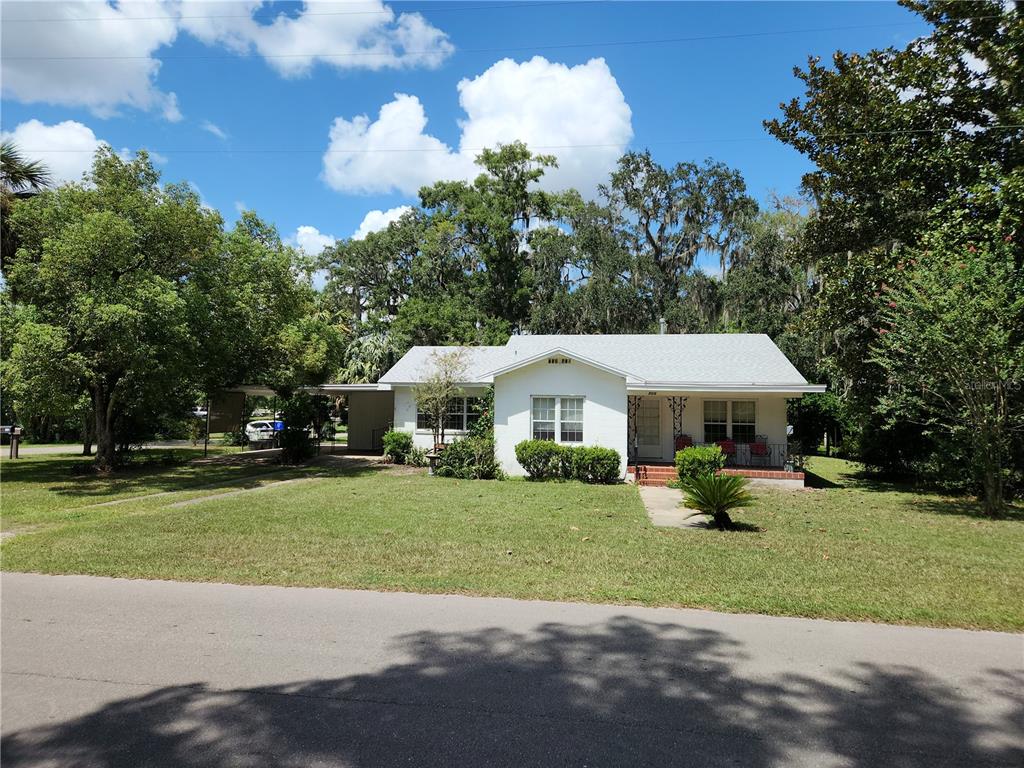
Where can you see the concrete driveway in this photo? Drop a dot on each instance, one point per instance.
(104, 672)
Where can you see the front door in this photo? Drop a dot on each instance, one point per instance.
(648, 429)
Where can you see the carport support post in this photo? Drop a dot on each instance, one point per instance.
(206, 437)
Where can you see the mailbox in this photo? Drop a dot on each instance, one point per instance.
(15, 440)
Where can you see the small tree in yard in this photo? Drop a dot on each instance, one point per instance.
(952, 345)
(439, 389)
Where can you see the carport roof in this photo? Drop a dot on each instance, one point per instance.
(259, 390)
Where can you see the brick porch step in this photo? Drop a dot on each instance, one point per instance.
(657, 474)
(653, 474)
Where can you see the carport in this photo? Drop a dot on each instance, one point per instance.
(370, 410)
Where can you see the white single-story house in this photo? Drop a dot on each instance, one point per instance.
(643, 395)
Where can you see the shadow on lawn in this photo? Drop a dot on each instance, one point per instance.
(157, 473)
(965, 507)
(812, 480)
(926, 498)
(625, 692)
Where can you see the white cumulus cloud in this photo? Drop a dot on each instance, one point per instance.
(579, 114)
(66, 149)
(375, 221)
(311, 240)
(54, 61)
(366, 35)
(389, 153)
(103, 56)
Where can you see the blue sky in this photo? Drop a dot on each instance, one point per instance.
(247, 116)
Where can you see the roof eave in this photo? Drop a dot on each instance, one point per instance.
(698, 387)
(482, 382)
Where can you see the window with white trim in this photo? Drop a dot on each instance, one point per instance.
(716, 420)
(570, 419)
(743, 421)
(463, 412)
(734, 420)
(557, 418)
(544, 418)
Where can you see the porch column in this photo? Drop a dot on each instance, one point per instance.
(632, 408)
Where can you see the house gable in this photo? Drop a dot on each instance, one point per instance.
(562, 356)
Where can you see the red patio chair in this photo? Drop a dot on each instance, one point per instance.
(728, 447)
(683, 441)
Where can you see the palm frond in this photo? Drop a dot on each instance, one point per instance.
(715, 495)
(17, 173)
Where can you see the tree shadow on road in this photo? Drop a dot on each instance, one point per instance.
(625, 692)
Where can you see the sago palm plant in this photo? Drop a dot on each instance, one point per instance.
(715, 495)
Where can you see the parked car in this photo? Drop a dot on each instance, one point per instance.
(262, 431)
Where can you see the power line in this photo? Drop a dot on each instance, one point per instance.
(533, 147)
(502, 49)
(452, 8)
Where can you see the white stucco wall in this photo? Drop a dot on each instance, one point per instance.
(405, 416)
(770, 417)
(367, 411)
(604, 406)
(604, 410)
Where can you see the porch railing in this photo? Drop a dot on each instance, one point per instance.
(756, 454)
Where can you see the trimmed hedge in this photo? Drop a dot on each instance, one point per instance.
(547, 460)
(699, 461)
(593, 464)
(471, 458)
(397, 445)
(540, 458)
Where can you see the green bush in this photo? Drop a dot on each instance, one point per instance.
(593, 464)
(541, 459)
(236, 437)
(471, 458)
(296, 445)
(484, 425)
(699, 461)
(417, 457)
(397, 445)
(297, 412)
(546, 460)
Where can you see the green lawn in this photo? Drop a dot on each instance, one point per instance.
(48, 489)
(856, 549)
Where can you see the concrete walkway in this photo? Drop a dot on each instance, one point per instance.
(663, 507)
(109, 672)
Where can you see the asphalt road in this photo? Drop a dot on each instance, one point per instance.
(105, 672)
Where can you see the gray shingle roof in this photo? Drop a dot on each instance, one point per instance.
(417, 363)
(672, 359)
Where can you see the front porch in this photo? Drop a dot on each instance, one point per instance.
(749, 429)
